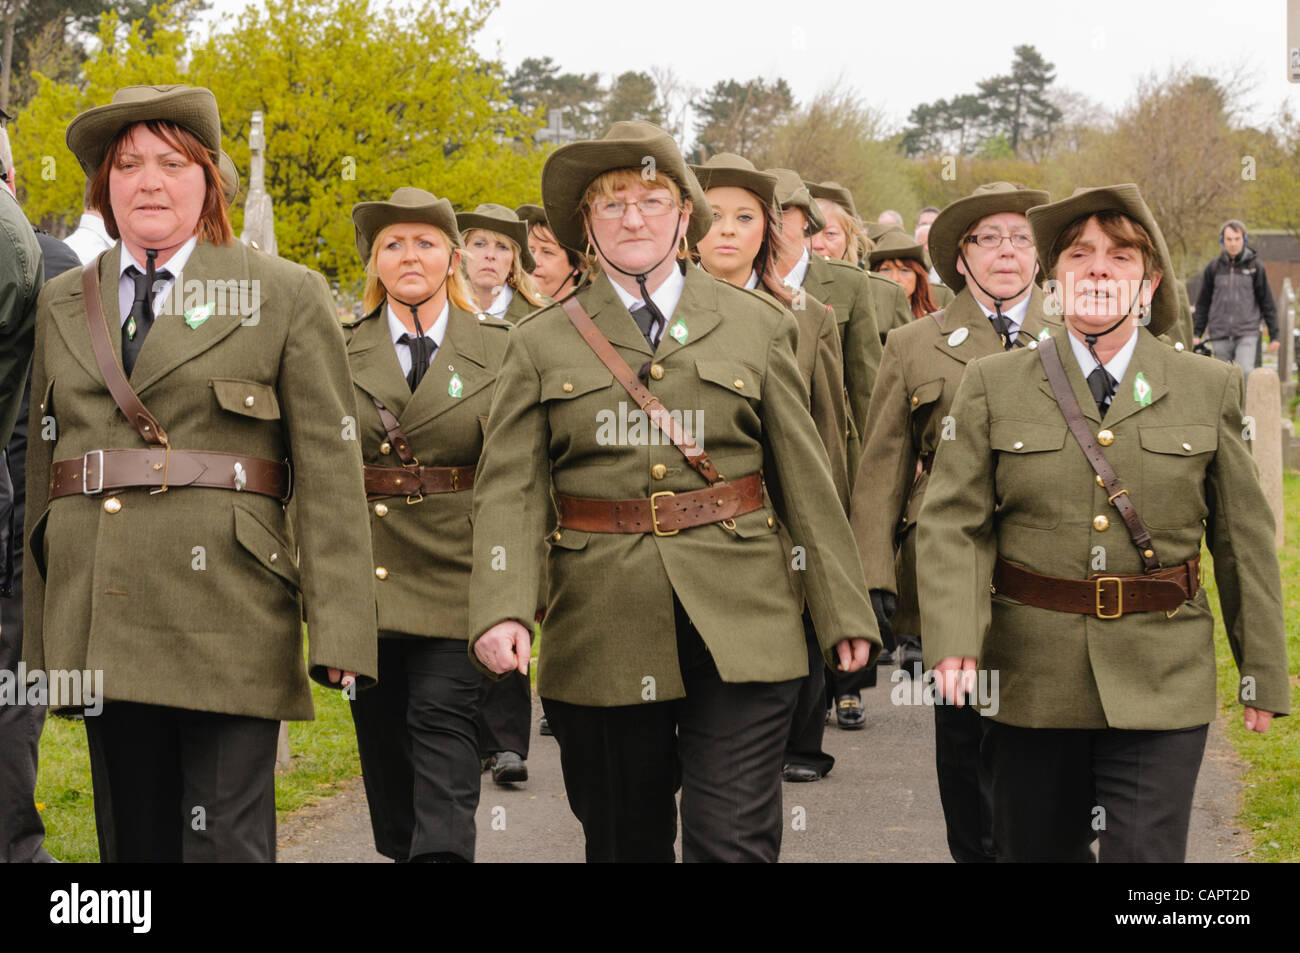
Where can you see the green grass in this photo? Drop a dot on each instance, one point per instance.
(1271, 804)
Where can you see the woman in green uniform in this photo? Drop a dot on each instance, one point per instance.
(498, 262)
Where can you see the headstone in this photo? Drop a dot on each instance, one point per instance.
(1264, 407)
(282, 748)
(1286, 307)
(259, 218)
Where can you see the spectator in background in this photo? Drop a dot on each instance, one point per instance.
(1234, 297)
(925, 217)
(89, 238)
(922, 235)
(890, 217)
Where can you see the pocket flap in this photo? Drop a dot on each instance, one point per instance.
(1026, 436)
(758, 523)
(265, 546)
(734, 376)
(247, 398)
(1184, 440)
(926, 393)
(562, 538)
(566, 384)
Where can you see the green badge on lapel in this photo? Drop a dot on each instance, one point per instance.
(196, 316)
(679, 332)
(455, 387)
(1141, 390)
(1044, 334)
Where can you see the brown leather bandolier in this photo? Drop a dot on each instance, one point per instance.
(1106, 597)
(160, 468)
(665, 513)
(410, 479)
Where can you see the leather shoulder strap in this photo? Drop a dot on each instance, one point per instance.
(1119, 498)
(647, 401)
(396, 435)
(126, 399)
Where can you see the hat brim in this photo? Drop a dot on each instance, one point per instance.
(841, 197)
(515, 231)
(913, 252)
(571, 169)
(761, 184)
(955, 221)
(371, 218)
(1049, 220)
(194, 108)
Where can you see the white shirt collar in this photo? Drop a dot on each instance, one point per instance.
(752, 283)
(1116, 366)
(665, 296)
(396, 329)
(1014, 314)
(797, 274)
(173, 266)
(502, 301)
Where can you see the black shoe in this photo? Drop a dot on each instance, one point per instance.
(848, 712)
(509, 768)
(544, 727)
(800, 772)
(886, 657)
(909, 655)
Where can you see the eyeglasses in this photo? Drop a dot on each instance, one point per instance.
(995, 239)
(650, 207)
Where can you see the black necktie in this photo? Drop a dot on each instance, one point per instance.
(1002, 324)
(648, 317)
(422, 350)
(140, 319)
(1102, 386)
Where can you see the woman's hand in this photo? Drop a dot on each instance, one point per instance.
(505, 646)
(853, 654)
(348, 678)
(1257, 720)
(956, 679)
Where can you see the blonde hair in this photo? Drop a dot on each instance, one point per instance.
(857, 245)
(375, 294)
(518, 279)
(607, 183)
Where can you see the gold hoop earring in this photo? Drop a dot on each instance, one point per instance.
(686, 248)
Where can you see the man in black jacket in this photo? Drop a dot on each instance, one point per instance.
(1234, 297)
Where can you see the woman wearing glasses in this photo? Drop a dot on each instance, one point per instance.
(674, 642)
(984, 250)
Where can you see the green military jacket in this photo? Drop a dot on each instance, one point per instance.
(848, 291)
(194, 598)
(727, 359)
(941, 294)
(919, 372)
(1014, 482)
(423, 547)
(520, 308)
(21, 276)
(893, 310)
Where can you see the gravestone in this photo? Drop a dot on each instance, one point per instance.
(259, 217)
(1264, 407)
(1286, 307)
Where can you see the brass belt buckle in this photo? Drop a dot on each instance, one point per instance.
(1119, 595)
(654, 515)
(414, 467)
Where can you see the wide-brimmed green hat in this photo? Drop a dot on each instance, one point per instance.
(628, 145)
(728, 169)
(835, 192)
(190, 107)
(408, 204)
(957, 218)
(792, 193)
(229, 177)
(896, 243)
(1049, 220)
(497, 218)
(878, 230)
(532, 215)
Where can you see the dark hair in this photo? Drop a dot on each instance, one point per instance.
(545, 234)
(1119, 228)
(214, 225)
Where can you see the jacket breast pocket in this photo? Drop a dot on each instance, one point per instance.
(734, 376)
(247, 398)
(1174, 460)
(1028, 471)
(583, 414)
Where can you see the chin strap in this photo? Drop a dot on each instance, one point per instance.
(1091, 339)
(1000, 321)
(650, 306)
(415, 308)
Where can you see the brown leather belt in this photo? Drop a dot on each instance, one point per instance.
(416, 481)
(107, 471)
(1106, 597)
(664, 513)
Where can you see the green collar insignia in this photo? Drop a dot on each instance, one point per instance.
(196, 316)
(1141, 390)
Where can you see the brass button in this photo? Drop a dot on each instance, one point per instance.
(657, 371)
(385, 447)
(770, 521)
(915, 401)
(1178, 346)
(658, 471)
(557, 536)
(1100, 481)
(381, 509)
(248, 401)
(1148, 553)
(1100, 523)
(112, 505)
(1018, 445)
(381, 572)
(1187, 447)
(737, 383)
(567, 387)
(1105, 438)
(273, 557)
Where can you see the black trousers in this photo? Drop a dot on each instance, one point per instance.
(722, 745)
(417, 737)
(175, 785)
(808, 727)
(505, 719)
(1056, 790)
(965, 789)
